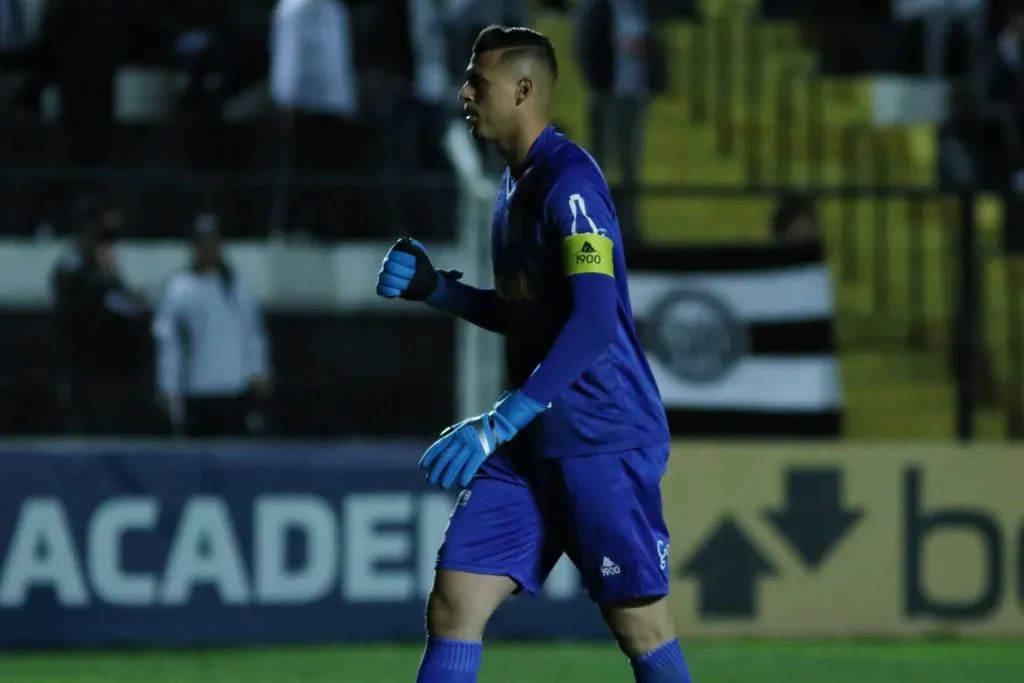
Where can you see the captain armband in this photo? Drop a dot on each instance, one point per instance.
(588, 252)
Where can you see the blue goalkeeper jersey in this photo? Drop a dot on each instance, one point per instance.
(559, 264)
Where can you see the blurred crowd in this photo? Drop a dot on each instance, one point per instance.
(363, 89)
(306, 119)
(360, 90)
(211, 363)
(972, 45)
(991, 104)
(324, 120)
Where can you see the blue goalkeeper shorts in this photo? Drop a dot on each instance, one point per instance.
(604, 511)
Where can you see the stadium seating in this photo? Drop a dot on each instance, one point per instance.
(149, 168)
(896, 369)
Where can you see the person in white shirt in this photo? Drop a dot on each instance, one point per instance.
(314, 85)
(939, 17)
(311, 62)
(212, 351)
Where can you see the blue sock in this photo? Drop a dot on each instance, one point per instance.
(450, 661)
(664, 664)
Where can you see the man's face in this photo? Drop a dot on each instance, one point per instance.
(489, 97)
(208, 250)
(106, 228)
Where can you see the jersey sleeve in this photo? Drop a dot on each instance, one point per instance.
(581, 216)
(582, 219)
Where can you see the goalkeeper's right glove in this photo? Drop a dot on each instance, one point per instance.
(407, 273)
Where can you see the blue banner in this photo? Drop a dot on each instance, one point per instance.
(162, 544)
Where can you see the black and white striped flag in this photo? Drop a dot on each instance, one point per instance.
(740, 339)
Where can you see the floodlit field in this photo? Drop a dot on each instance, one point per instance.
(710, 663)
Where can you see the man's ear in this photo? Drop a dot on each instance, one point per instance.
(523, 90)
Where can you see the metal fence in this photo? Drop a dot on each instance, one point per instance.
(916, 278)
(926, 274)
(916, 273)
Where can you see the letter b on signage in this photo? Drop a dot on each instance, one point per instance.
(920, 525)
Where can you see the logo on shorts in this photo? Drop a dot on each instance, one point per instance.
(463, 498)
(663, 554)
(609, 568)
(696, 335)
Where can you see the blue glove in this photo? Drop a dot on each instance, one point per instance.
(463, 448)
(407, 273)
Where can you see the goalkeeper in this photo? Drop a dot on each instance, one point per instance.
(571, 459)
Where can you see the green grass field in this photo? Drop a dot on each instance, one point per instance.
(710, 663)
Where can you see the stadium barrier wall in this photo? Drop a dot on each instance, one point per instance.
(135, 544)
(156, 545)
(847, 541)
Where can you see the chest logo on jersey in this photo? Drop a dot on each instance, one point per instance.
(515, 287)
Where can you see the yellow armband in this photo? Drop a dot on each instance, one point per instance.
(588, 252)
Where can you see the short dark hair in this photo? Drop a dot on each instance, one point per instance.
(517, 41)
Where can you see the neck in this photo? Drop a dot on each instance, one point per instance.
(515, 148)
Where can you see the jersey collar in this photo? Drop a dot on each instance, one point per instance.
(537, 149)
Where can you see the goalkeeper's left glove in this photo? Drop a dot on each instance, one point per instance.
(463, 448)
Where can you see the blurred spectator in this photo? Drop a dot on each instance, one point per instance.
(76, 50)
(1001, 104)
(1005, 66)
(12, 25)
(462, 20)
(795, 221)
(221, 55)
(212, 354)
(432, 73)
(384, 55)
(79, 48)
(387, 63)
(101, 328)
(622, 61)
(313, 83)
(312, 68)
(939, 18)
